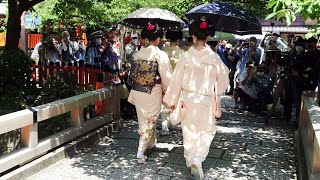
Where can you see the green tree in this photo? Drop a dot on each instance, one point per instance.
(288, 9)
(16, 8)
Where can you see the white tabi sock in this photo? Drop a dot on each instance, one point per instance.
(140, 155)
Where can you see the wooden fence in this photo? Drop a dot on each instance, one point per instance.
(84, 74)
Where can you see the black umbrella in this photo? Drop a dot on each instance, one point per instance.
(164, 18)
(227, 17)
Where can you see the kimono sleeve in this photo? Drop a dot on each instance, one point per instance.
(222, 75)
(165, 70)
(172, 94)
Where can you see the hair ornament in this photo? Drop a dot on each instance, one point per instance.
(151, 27)
(203, 25)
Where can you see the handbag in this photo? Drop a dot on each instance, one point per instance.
(178, 114)
(217, 106)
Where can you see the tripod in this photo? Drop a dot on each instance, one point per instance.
(285, 89)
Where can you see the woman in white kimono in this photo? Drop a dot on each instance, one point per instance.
(150, 75)
(174, 52)
(191, 92)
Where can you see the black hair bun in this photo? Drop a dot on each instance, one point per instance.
(152, 31)
(174, 35)
(201, 28)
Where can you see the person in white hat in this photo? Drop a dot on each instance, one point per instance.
(132, 48)
(233, 59)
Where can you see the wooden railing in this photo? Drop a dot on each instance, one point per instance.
(309, 129)
(84, 74)
(27, 120)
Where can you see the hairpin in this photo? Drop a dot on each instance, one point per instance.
(203, 18)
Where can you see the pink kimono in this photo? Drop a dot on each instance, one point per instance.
(193, 84)
(148, 106)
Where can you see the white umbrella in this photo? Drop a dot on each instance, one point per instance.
(165, 19)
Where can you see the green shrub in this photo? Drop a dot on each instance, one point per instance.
(15, 76)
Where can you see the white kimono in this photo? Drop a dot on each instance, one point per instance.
(148, 105)
(193, 83)
(174, 53)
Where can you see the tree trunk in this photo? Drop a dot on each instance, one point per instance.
(13, 25)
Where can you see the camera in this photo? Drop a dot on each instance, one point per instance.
(245, 44)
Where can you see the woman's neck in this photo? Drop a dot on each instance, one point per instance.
(199, 45)
(152, 43)
(174, 44)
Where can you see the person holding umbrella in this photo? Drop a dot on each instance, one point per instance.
(199, 77)
(150, 75)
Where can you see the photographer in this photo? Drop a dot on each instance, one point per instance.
(264, 87)
(233, 59)
(66, 49)
(269, 42)
(80, 49)
(108, 58)
(307, 69)
(246, 92)
(50, 50)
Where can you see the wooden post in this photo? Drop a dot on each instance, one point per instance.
(29, 134)
(86, 74)
(51, 69)
(77, 117)
(40, 67)
(81, 74)
(75, 72)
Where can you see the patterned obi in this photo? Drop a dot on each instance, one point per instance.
(144, 75)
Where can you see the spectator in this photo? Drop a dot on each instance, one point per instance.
(249, 52)
(80, 49)
(247, 94)
(132, 48)
(66, 49)
(94, 49)
(35, 53)
(222, 53)
(264, 86)
(51, 52)
(233, 59)
(269, 41)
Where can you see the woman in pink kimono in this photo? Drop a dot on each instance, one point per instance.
(199, 73)
(174, 52)
(150, 75)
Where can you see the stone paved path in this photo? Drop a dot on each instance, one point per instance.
(243, 148)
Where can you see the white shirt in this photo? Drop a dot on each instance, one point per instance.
(35, 52)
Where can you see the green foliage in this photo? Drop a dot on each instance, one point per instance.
(15, 68)
(288, 9)
(103, 12)
(56, 88)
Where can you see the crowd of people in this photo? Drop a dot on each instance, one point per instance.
(102, 50)
(259, 72)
